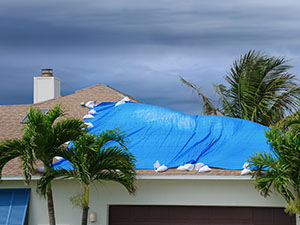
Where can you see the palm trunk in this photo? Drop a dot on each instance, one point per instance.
(85, 211)
(50, 206)
(85, 205)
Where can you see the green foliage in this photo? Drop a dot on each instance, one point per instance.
(280, 170)
(208, 107)
(293, 206)
(47, 137)
(77, 200)
(42, 140)
(97, 158)
(14, 148)
(259, 89)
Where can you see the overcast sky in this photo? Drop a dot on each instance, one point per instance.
(139, 47)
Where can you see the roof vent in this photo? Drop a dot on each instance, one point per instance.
(47, 72)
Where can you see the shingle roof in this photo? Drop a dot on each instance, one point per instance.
(174, 171)
(11, 115)
(11, 127)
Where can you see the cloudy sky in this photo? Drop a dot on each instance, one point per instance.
(139, 47)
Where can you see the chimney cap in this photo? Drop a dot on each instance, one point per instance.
(47, 72)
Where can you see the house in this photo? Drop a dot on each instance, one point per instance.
(173, 197)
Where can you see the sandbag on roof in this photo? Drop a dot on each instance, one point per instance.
(173, 138)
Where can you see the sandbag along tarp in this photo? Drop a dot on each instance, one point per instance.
(173, 138)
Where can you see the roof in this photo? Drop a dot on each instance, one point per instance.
(11, 115)
(174, 171)
(11, 127)
(12, 169)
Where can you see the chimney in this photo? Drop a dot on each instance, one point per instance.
(46, 86)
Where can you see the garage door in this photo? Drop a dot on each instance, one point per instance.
(192, 215)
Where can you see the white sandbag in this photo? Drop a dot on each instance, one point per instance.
(181, 168)
(123, 101)
(188, 167)
(245, 171)
(89, 125)
(156, 165)
(199, 165)
(92, 111)
(90, 104)
(204, 169)
(246, 165)
(162, 168)
(88, 116)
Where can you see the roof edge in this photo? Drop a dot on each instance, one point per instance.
(161, 177)
(194, 177)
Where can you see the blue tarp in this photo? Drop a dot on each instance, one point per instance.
(174, 138)
(13, 206)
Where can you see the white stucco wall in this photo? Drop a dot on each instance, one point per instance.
(151, 191)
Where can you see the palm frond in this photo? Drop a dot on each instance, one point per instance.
(67, 130)
(50, 175)
(208, 107)
(259, 89)
(226, 107)
(14, 148)
(104, 154)
(127, 180)
(111, 136)
(54, 114)
(280, 168)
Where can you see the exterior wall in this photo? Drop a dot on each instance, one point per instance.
(150, 192)
(45, 88)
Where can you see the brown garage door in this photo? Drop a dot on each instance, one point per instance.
(194, 215)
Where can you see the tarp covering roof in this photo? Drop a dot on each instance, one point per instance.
(174, 138)
(13, 206)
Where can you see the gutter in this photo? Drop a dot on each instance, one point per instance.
(160, 177)
(17, 178)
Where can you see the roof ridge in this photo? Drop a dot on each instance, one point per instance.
(132, 98)
(84, 89)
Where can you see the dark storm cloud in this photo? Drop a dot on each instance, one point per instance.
(53, 24)
(139, 47)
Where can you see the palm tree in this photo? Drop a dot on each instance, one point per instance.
(42, 140)
(259, 89)
(281, 168)
(96, 158)
(208, 107)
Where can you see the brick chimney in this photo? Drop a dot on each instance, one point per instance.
(46, 86)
